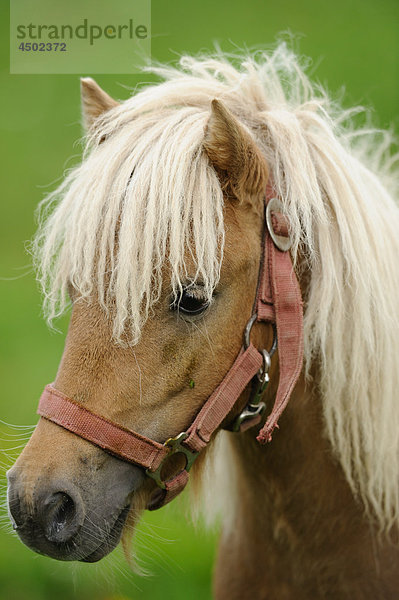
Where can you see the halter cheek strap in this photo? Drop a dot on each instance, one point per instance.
(278, 302)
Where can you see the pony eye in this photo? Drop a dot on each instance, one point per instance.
(191, 302)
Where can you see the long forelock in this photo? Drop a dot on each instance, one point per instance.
(143, 196)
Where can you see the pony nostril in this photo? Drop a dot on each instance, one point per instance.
(60, 517)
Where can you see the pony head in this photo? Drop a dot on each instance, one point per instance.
(151, 332)
(155, 240)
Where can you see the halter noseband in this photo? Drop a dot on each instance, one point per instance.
(278, 301)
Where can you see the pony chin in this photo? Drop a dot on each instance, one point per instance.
(112, 540)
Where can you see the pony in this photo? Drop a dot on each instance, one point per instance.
(155, 240)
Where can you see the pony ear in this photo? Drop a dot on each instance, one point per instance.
(94, 101)
(234, 153)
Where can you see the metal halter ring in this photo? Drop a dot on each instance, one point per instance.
(247, 334)
(282, 242)
(176, 447)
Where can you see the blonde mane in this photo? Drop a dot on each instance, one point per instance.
(148, 192)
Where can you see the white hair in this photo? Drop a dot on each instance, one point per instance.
(148, 192)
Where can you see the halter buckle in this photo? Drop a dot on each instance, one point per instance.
(176, 447)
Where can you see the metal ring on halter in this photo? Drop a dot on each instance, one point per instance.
(282, 242)
(247, 334)
(176, 447)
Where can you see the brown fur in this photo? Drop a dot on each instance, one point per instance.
(300, 534)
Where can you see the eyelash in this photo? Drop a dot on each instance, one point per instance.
(190, 303)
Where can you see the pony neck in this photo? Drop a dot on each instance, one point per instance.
(298, 532)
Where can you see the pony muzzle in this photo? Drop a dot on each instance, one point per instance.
(50, 517)
(74, 515)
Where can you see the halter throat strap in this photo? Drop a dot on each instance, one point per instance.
(278, 302)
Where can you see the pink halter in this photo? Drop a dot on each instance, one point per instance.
(278, 302)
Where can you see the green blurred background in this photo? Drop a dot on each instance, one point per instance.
(353, 44)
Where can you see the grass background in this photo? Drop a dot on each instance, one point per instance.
(353, 43)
